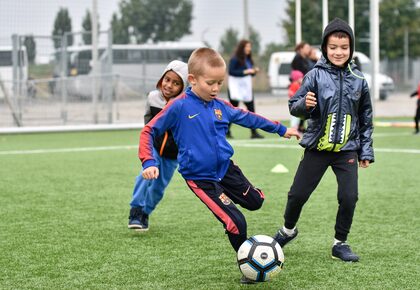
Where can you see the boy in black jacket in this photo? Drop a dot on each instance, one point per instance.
(334, 98)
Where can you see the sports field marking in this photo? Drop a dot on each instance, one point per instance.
(66, 150)
(130, 147)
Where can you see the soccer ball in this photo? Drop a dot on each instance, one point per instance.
(260, 258)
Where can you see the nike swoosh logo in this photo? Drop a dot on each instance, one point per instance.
(193, 116)
(246, 192)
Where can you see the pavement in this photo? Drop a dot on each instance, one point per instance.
(38, 113)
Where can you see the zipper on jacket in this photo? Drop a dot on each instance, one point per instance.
(338, 120)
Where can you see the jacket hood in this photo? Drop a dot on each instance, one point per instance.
(337, 25)
(178, 67)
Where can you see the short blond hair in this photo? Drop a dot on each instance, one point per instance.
(202, 56)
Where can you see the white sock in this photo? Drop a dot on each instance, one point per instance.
(289, 232)
(337, 241)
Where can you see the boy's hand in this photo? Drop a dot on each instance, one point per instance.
(291, 132)
(151, 172)
(310, 100)
(364, 163)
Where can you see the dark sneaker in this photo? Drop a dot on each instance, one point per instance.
(256, 135)
(343, 252)
(245, 280)
(144, 223)
(282, 238)
(134, 220)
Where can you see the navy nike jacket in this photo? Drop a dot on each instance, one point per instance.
(199, 129)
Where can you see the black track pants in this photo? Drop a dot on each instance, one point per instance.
(309, 173)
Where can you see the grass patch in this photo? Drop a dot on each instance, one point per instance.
(63, 220)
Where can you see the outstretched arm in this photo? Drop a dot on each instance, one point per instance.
(254, 121)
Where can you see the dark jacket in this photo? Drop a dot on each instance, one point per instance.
(164, 144)
(236, 69)
(300, 63)
(342, 118)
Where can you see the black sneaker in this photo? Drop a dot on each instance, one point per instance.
(245, 280)
(134, 220)
(342, 251)
(282, 238)
(144, 223)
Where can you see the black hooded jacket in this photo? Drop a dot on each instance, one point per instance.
(342, 118)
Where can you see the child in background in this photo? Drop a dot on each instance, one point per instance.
(417, 116)
(199, 122)
(148, 193)
(296, 78)
(335, 99)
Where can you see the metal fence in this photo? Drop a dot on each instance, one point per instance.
(59, 95)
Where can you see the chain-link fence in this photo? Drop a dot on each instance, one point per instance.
(61, 86)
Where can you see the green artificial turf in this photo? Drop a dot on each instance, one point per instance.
(63, 218)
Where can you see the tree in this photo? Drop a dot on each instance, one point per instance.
(119, 34)
(229, 41)
(311, 15)
(152, 20)
(395, 17)
(255, 39)
(62, 24)
(30, 45)
(87, 28)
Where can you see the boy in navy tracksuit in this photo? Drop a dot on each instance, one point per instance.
(199, 121)
(148, 193)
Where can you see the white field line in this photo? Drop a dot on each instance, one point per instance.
(66, 150)
(130, 147)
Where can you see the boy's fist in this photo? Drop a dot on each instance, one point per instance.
(151, 172)
(310, 100)
(291, 132)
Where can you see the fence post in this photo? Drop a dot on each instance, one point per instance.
(109, 86)
(63, 75)
(16, 75)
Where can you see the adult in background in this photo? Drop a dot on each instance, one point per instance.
(300, 61)
(241, 71)
(417, 116)
(313, 57)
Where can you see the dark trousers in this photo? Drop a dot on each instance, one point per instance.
(249, 105)
(221, 197)
(309, 173)
(417, 116)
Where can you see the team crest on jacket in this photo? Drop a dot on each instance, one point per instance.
(218, 114)
(224, 199)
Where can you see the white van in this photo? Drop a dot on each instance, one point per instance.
(6, 68)
(279, 69)
(280, 66)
